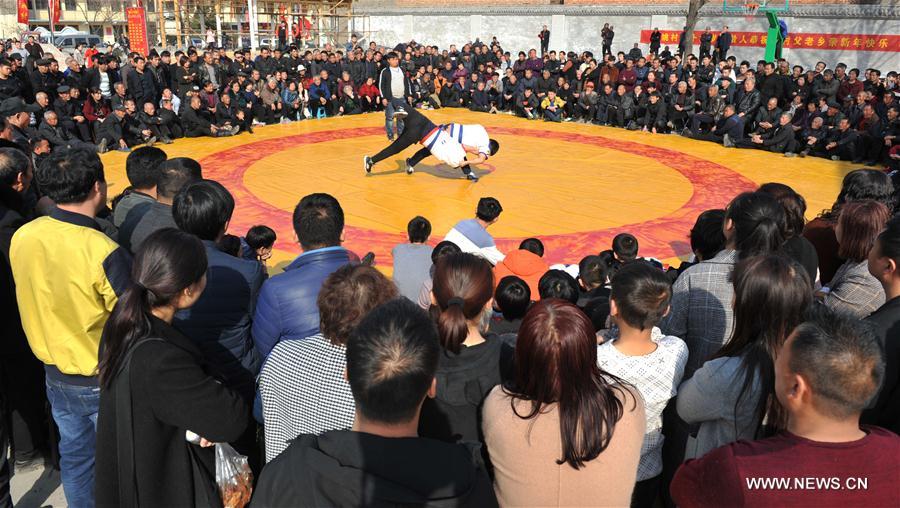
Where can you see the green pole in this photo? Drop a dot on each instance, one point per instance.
(774, 40)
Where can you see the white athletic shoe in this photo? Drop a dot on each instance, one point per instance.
(400, 113)
(409, 168)
(367, 163)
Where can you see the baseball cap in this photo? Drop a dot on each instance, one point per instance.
(63, 89)
(119, 107)
(15, 105)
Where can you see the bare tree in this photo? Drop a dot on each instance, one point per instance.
(693, 14)
(100, 12)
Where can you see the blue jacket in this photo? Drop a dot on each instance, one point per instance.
(287, 308)
(318, 91)
(219, 323)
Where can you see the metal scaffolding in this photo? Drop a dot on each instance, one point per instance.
(252, 23)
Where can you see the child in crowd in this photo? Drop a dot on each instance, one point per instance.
(558, 284)
(511, 301)
(231, 245)
(640, 354)
(412, 261)
(625, 249)
(594, 298)
(258, 243)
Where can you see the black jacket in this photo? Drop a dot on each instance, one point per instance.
(196, 123)
(346, 468)
(170, 393)
(91, 79)
(885, 411)
(748, 103)
(384, 84)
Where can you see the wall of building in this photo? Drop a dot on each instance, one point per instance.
(578, 27)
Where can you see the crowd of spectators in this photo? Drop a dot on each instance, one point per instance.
(98, 102)
(475, 377)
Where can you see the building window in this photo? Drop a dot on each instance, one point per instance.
(69, 5)
(37, 4)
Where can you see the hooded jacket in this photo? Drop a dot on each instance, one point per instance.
(346, 468)
(524, 264)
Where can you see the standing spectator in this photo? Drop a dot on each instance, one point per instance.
(884, 259)
(655, 38)
(641, 355)
(472, 361)
(302, 384)
(146, 218)
(730, 396)
(22, 385)
(606, 35)
(286, 309)
(392, 357)
(853, 289)
(412, 261)
(562, 432)
(826, 373)
(142, 168)
(858, 185)
(68, 275)
(544, 37)
(471, 235)
(723, 44)
(220, 321)
(154, 386)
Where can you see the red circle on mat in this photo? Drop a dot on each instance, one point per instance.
(713, 186)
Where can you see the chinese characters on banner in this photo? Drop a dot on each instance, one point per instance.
(137, 29)
(854, 42)
(23, 11)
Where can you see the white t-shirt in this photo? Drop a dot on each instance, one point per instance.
(471, 135)
(398, 87)
(445, 148)
(656, 376)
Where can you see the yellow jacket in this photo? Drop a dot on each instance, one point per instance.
(68, 275)
(559, 103)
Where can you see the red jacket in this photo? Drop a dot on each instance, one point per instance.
(367, 90)
(92, 114)
(524, 264)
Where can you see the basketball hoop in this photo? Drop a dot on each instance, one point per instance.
(751, 8)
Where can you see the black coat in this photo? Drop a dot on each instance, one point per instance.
(91, 79)
(885, 412)
(170, 394)
(345, 468)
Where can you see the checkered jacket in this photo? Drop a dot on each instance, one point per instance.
(701, 311)
(656, 376)
(853, 290)
(303, 391)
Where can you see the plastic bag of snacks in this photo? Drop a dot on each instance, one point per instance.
(233, 477)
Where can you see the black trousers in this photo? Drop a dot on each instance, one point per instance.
(416, 127)
(645, 492)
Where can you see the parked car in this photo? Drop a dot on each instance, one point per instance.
(68, 42)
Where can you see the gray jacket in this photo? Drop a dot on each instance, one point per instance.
(709, 398)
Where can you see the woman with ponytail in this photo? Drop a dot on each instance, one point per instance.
(562, 432)
(154, 388)
(701, 297)
(472, 360)
(731, 396)
(853, 290)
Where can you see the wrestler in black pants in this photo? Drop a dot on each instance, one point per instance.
(416, 127)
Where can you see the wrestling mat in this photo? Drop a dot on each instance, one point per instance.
(573, 186)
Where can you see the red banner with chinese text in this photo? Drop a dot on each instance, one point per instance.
(850, 42)
(23, 11)
(53, 7)
(137, 29)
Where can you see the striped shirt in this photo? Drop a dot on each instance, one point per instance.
(303, 391)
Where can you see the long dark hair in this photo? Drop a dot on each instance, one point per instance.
(758, 222)
(771, 296)
(168, 261)
(556, 363)
(463, 285)
(860, 185)
(794, 207)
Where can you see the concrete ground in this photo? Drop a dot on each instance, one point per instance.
(37, 486)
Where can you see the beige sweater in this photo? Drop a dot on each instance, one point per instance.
(524, 455)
